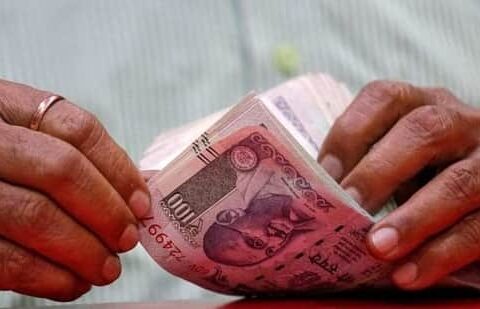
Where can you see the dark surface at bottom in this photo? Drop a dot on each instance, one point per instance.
(439, 298)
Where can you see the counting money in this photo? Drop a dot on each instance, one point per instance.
(240, 205)
(256, 219)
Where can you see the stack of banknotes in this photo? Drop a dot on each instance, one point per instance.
(240, 205)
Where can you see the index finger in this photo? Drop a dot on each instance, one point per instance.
(372, 113)
(82, 130)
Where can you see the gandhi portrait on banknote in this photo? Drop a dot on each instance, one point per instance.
(268, 220)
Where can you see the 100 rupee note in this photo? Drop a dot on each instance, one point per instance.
(257, 219)
(240, 205)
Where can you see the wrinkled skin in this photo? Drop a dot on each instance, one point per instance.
(422, 146)
(69, 198)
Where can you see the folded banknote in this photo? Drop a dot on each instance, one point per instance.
(240, 205)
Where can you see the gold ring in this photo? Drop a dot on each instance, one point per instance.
(42, 109)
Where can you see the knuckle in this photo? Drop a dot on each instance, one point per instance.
(377, 92)
(442, 96)
(380, 96)
(470, 233)
(441, 252)
(91, 132)
(385, 166)
(81, 127)
(13, 97)
(64, 166)
(442, 92)
(376, 86)
(346, 127)
(462, 181)
(437, 250)
(376, 163)
(18, 266)
(430, 123)
(379, 87)
(386, 91)
(4, 106)
(36, 213)
(121, 163)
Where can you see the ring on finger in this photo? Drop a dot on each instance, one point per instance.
(42, 109)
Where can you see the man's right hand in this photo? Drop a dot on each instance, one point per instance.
(69, 198)
(421, 145)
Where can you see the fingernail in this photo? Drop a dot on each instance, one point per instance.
(384, 240)
(333, 166)
(111, 269)
(405, 274)
(129, 238)
(139, 204)
(353, 192)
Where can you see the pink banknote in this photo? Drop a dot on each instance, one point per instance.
(256, 220)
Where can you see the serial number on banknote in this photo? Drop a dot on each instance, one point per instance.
(163, 239)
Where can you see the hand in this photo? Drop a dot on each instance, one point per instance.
(422, 143)
(68, 196)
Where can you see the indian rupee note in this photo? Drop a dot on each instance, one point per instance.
(237, 229)
(257, 219)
